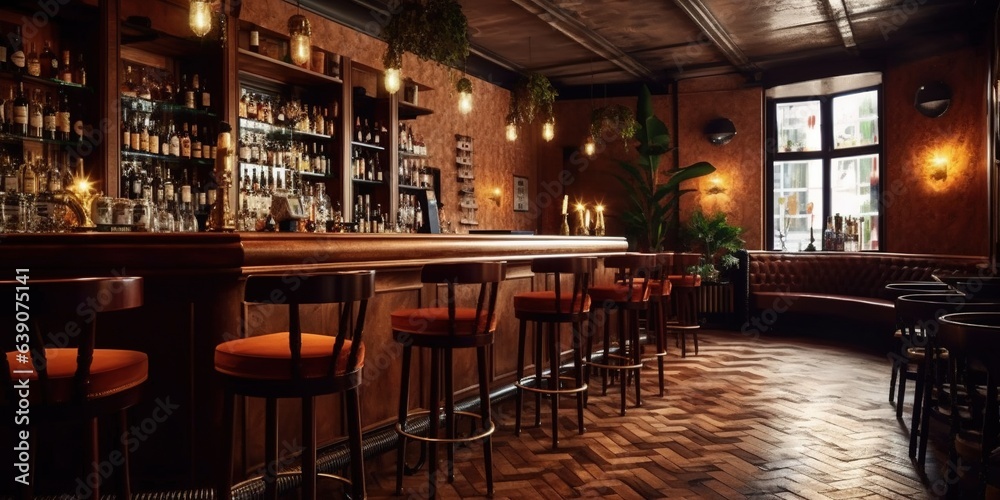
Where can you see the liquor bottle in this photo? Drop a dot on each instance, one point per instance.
(18, 60)
(142, 89)
(195, 141)
(254, 39)
(377, 133)
(251, 107)
(143, 129)
(49, 118)
(35, 115)
(165, 133)
(357, 127)
(63, 118)
(11, 178)
(34, 63)
(29, 178)
(368, 132)
(206, 95)
(196, 91)
(243, 104)
(154, 138)
(55, 179)
(19, 124)
(134, 134)
(49, 61)
(8, 111)
(128, 83)
(4, 53)
(188, 92)
(66, 71)
(185, 141)
(175, 141)
(79, 72)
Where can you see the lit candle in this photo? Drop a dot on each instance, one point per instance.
(586, 219)
(565, 204)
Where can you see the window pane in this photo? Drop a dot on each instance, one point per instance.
(854, 195)
(855, 120)
(799, 126)
(796, 185)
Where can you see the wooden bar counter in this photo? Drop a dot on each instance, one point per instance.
(193, 290)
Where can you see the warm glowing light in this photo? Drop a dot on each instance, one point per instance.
(939, 170)
(200, 17)
(82, 185)
(549, 131)
(300, 33)
(599, 208)
(716, 186)
(511, 132)
(590, 148)
(393, 80)
(464, 102)
(496, 195)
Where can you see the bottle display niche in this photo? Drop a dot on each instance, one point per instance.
(169, 128)
(46, 115)
(287, 151)
(370, 173)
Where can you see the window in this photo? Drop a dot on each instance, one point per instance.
(824, 158)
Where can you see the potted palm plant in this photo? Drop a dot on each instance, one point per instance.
(716, 240)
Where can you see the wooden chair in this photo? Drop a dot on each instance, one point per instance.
(628, 295)
(72, 383)
(295, 364)
(552, 308)
(442, 330)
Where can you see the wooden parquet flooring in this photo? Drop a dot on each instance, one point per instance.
(747, 418)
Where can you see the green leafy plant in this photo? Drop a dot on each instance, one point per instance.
(532, 95)
(464, 85)
(431, 29)
(613, 120)
(715, 239)
(652, 205)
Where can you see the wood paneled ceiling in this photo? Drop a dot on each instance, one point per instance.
(580, 42)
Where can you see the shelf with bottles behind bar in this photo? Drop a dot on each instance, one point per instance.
(418, 183)
(47, 109)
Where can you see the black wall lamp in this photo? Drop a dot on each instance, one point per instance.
(933, 99)
(720, 131)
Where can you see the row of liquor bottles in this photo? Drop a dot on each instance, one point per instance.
(32, 175)
(260, 188)
(157, 133)
(39, 114)
(293, 114)
(847, 234)
(158, 85)
(303, 156)
(156, 180)
(369, 218)
(16, 58)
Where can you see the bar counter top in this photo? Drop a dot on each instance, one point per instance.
(193, 290)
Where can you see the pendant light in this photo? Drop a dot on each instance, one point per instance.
(300, 33)
(393, 80)
(464, 88)
(590, 146)
(511, 132)
(549, 129)
(200, 17)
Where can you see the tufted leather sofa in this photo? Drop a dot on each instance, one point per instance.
(834, 283)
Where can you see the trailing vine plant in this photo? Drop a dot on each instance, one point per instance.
(613, 120)
(431, 29)
(532, 96)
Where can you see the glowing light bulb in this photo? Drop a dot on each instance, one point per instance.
(589, 148)
(300, 33)
(464, 102)
(548, 131)
(200, 17)
(511, 132)
(393, 80)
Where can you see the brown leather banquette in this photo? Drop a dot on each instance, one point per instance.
(839, 284)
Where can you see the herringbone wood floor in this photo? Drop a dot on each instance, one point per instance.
(747, 418)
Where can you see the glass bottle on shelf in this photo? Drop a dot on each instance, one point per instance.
(34, 63)
(49, 61)
(35, 115)
(18, 60)
(66, 72)
(49, 118)
(63, 118)
(80, 71)
(20, 112)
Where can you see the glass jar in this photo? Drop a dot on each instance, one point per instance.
(122, 212)
(102, 210)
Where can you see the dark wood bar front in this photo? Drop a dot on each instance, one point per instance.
(193, 301)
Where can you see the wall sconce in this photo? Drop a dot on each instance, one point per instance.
(933, 99)
(393, 80)
(496, 195)
(720, 131)
(716, 186)
(939, 169)
(300, 32)
(200, 17)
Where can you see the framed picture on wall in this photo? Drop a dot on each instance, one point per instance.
(520, 194)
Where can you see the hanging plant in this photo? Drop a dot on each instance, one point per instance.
(463, 85)
(532, 95)
(436, 30)
(613, 120)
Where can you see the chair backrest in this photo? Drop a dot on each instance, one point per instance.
(922, 311)
(487, 275)
(71, 306)
(580, 268)
(634, 271)
(894, 290)
(975, 335)
(350, 289)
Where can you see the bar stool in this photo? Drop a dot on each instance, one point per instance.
(442, 330)
(73, 383)
(553, 307)
(295, 364)
(684, 298)
(659, 306)
(628, 295)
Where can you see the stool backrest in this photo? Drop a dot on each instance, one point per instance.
(893, 290)
(350, 289)
(487, 275)
(580, 268)
(72, 305)
(921, 312)
(634, 271)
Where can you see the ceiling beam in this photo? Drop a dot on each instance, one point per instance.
(710, 26)
(589, 39)
(838, 12)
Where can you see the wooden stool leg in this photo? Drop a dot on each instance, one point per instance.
(661, 344)
(918, 398)
(554, 380)
(636, 358)
(589, 355)
(622, 353)
(93, 456)
(124, 485)
(309, 453)
(892, 381)
(354, 437)
(224, 481)
(518, 392)
(607, 349)
(449, 410)
(578, 371)
(902, 390)
(538, 373)
(435, 419)
(485, 410)
(404, 404)
(271, 449)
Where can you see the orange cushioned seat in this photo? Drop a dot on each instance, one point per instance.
(656, 287)
(545, 301)
(267, 357)
(112, 371)
(619, 293)
(434, 321)
(685, 280)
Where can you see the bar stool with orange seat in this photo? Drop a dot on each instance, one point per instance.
(684, 298)
(553, 307)
(628, 295)
(443, 330)
(295, 364)
(72, 383)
